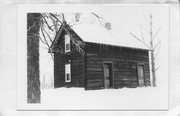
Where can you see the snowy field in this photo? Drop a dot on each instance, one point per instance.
(147, 98)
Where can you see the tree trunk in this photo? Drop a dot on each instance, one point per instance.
(152, 55)
(153, 69)
(33, 81)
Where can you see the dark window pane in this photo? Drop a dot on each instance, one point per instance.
(68, 77)
(67, 46)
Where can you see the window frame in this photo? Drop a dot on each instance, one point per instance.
(144, 75)
(67, 42)
(68, 71)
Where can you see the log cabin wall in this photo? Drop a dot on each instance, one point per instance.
(77, 66)
(88, 70)
(124, 61)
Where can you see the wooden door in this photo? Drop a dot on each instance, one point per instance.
(141, 75)
(107, 75)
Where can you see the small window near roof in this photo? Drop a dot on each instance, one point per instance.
(67, 43)
(67, 73)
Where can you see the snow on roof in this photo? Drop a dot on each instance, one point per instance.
(99, 34)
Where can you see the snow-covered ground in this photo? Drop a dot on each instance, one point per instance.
(122, 99)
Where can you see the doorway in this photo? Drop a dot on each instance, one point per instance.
(108, 75)
(140, 69)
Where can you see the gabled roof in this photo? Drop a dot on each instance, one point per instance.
(99, 34)
(68, 29)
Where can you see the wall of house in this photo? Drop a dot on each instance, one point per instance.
(124, 61)
(77, 66)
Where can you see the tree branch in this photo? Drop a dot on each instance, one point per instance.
(76, 42)
(47, 23)
(45, 41)
(157, 53)
(55, 24)
(157, 45)
(157, 68)
(63, 18)
(56, 18)
(140, 40)
(99, 19)
(31, 26)
(142, 35)
(36, 35)
(156, 32)
(47, 34)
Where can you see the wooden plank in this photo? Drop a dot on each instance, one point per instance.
(94, 85)
(92, 54)
(94, 80)
(94, 69)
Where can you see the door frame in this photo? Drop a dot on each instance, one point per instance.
(112, 73)
(141, 64)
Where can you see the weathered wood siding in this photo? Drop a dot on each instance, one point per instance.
(59, 70)
(125, 61)
(77, 66)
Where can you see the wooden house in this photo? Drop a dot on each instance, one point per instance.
(107, 61)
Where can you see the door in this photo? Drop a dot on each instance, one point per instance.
(107, 75)
(141, 75)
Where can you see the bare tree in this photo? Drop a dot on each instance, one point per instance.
(57, 20)
(50, 24)
(33, 82)
(152, 45)
(43, 27)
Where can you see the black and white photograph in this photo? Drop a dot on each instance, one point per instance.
(89, 58)
(93, 57)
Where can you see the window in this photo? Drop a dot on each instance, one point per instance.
(140, 69)
(67, 43)
(67, 73)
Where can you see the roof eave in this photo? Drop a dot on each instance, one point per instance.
(148, 49)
